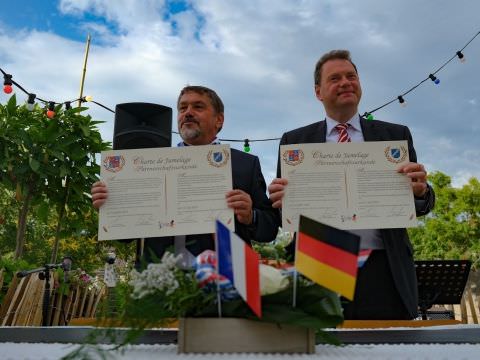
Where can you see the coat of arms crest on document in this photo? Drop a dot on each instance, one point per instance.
(218, 158)
(293, 157)
(114, 163)
(395, 154)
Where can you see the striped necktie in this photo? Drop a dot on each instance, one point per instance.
(343, 133)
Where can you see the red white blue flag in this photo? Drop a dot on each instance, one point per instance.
(240, 263)
(363, 257)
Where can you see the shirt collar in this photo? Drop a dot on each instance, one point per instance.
(216, 141)
(354, 123)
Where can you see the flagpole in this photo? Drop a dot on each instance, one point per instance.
(84, 71)
(295, 276)
(219, 297)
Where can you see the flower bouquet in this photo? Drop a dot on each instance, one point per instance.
(163, 293)
(209, 293)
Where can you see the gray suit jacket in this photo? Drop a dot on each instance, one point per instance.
(397, 245)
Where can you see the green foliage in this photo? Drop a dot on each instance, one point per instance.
(317, 308)
(46, 169)
(452, 230)
(274, 250)
(10, 267)
(187, 299)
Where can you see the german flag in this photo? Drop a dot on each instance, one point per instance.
(327, 256)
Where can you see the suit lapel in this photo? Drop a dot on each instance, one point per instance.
(320, 136)
(370, 133)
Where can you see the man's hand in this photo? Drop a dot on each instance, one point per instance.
(241, 203)
(418, 176)
(99, 194)
(276, 191)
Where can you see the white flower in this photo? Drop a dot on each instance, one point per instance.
(157, 277)
(271, 280)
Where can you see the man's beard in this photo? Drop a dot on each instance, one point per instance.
(189, 134)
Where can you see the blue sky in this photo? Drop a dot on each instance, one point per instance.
(259, 56)
(45, 16)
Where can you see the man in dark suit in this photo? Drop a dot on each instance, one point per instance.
(200, 118)
(386, 285)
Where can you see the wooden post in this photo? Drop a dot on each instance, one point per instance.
(84, 70)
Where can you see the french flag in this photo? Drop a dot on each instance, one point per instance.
(363, 257)
(240, 264)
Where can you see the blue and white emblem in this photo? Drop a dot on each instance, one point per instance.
(395, 152)
(217, 156)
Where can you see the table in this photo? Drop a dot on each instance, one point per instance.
(440, 342)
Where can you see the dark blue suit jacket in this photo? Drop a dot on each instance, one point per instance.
(397, 245)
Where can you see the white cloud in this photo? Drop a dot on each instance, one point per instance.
(259, 56)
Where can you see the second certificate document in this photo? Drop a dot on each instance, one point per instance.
(348, 185)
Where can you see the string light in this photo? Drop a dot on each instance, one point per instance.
(434, 79)
(421, 82)
(461, 57)
(7, 83)
(246, 146)
(31, 101)
(51, 110)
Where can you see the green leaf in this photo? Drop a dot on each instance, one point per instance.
(83, 171)
(34, 164)
(63, 171)
(43, 211)
(77, 110)
(95, 122)
(12, 105)
(85, 129)
(58, 154)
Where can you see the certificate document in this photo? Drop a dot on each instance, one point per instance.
(165, 191)
(347, 185)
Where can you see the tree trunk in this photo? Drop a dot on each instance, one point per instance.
(53, 258)
(22, 224)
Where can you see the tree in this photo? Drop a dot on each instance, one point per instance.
(49, 164)
(452, 229)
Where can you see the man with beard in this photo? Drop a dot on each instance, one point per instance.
(200, 118)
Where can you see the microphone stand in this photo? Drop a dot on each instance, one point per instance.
(44, 274)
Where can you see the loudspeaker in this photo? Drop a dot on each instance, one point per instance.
(142, 125)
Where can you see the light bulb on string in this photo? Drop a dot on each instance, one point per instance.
(87, 98)
(246, 146)
(31, 102)
(68, 105)
(401, 100)
(51, 110)
(7, 83)
(461, 57)
(368, 116)
(434, 79)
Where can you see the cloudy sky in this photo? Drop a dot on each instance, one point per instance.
(259, 56)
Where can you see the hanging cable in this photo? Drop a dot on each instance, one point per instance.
(8, 83)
